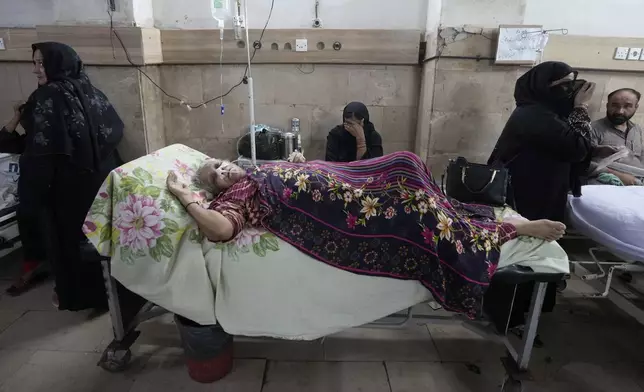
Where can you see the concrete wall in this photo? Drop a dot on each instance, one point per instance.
(615, 18)
(30, 13)
(284, 91)
(472, 100)
(466, 103)
(295, 14)
(120, 84)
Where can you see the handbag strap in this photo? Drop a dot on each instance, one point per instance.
(484, 188)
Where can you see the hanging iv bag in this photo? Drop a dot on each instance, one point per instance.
(220, 11)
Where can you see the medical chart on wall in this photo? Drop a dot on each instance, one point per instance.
(521, 45)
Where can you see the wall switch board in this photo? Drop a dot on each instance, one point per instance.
(301, 45)
(634, 53)
(621, 53)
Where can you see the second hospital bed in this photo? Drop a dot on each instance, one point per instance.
(612, 217)
(260, 286)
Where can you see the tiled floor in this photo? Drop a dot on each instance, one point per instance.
(590, 346)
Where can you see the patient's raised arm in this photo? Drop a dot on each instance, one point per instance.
(213, 224)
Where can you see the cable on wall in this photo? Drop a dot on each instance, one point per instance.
(244, 79)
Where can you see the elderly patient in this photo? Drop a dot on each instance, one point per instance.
(383, 216)
(618, 143)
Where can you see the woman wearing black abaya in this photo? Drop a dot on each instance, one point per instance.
(68, 149)
(546, 147)
(355, 139)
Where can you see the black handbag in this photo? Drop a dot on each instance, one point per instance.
(475, 183)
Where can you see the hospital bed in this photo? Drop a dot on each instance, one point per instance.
(613, 218)
(259, 286)
(128, 310)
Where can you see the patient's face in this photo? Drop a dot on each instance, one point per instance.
(219, 175)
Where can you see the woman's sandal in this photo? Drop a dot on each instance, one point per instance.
(26, 282)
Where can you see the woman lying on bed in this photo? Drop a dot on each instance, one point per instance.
(382, 216)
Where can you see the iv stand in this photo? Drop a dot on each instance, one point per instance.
(251, 97)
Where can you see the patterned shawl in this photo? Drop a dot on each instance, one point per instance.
(68, 115)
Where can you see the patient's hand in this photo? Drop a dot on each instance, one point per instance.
(179, 189)
(627, 179)
(296, 157)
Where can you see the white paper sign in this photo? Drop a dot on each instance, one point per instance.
(520, 44)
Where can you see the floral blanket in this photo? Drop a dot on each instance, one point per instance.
(385, 217)
(156, 249)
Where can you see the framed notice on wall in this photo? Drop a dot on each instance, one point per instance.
(520, 44)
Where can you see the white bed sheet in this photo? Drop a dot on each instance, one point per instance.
(289, 295)
(613, 216)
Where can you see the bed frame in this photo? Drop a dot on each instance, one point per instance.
(626, 265)
(128, 310)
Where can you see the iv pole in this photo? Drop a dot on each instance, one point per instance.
(251, 97)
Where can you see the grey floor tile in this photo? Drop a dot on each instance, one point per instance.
(444, 377)
(585, 342)
(600, 377)
(11, 361)
(53, 330)
(169, 373)
(38, 298)
(326, 377)
(8, 317)
(552, 386)
(456, 343)
(58, 371)
(411, 343)
(279, 350)
(159, 336)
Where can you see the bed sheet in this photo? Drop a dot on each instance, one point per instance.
(612, 216)
(288, 295)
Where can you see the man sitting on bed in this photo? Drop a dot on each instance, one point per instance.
(618, 155)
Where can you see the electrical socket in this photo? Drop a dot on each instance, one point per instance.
(621, 53)
(2, 47)
(301, 45)
(634, 53)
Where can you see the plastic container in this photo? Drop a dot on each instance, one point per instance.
(220, 10)
(208, 350)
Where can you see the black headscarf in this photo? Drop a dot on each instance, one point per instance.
(68, 115)
(534, 87)
(360, 111)
(341, 145)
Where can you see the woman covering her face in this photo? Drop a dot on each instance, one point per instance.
(355, 139)
(546, 147)
(68, 149)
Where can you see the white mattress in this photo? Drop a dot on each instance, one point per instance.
(613, 216)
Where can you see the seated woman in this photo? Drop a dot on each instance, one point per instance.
(355, 139)
(69, 147)
(383, 216)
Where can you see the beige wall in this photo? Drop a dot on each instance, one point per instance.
(314, 95)
(120, 84)
(471, 103)
(473, 100)
(281, 92)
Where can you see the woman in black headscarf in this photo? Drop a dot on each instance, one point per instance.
(69, 148)
(355, 139)
(546, 142)
(546, 147)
